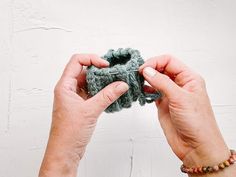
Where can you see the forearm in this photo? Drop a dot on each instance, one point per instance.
(58, 161)
(57, 168)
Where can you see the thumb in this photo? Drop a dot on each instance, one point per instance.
(161, 82)
(107, 96)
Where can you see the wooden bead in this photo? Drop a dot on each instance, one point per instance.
(232, 151)
(204, 169)
(190, 170)
(216, 168)
(221, 166)
(226, 163)
(199, 169)
(186, 170)
(209, 169)
(195, 170)
(231, 160)
(183, 169)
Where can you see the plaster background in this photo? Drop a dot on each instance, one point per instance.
(37, 38)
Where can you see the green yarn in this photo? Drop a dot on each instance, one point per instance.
(124, 65)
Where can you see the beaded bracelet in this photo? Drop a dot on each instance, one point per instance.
(210, 169)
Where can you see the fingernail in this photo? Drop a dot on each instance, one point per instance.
(106, 62)
(149, 71)
(123, 87)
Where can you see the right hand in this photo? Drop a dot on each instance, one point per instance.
(185, 112)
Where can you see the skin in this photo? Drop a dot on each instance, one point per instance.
(185, 115)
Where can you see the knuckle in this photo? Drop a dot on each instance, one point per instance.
(168, 56)
(166, 78)
(74, 57)
(57, 89)
(108, 96)
(201, 80)
(93, 55)
(58, 92)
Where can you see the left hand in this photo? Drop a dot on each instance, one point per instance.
(75, 116)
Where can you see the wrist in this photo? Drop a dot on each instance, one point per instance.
(59, 161)
(58, 165)
(207, 154)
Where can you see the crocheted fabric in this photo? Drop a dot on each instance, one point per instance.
(124, 65)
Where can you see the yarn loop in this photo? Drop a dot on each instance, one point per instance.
(124, 65)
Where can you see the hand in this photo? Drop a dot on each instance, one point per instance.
(185, 112)
(75, 116)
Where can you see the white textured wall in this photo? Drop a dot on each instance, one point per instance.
(37, 37)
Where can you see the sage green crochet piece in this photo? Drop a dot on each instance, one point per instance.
(124, 65)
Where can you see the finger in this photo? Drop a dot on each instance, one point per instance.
(165, 64)
(161, 82)
(107, 96)
(148, 89)
(74, 68)
(81, 79)
(75, 65)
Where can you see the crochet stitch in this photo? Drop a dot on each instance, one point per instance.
(124, 65)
